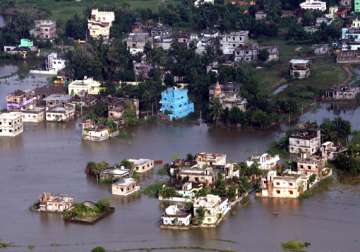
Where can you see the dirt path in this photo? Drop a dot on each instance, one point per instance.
(348, 70)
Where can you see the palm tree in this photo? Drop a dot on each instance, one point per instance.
(216, 110)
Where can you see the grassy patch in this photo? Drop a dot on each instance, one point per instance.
(162, 171)
(294, 246)
(322, 186)
(4, 245)
(62, 10)
(153, 189)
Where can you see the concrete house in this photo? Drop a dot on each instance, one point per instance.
(174, 216)
(287, 185)
(342, 93)
(83, 87)
(95, 132)
(230, 41)
(117, 107)
(313, 164)
(99, 23)
(142, 165)
(260, 15)
(54, 203)
(214, 209)
(55, 100)
(60, 113)
(306, 139)
(125, 187)
(33, 114)
(264, 161)
(299, 68)
(19, 100)
(197, 175)
(246, 53)
(11, 124)
(210, 159)
(44, 30)
(228, 96)
(136, 42)
(175, 103)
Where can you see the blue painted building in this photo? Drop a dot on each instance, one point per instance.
(175, 103)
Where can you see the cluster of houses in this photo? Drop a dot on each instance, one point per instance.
(53, 104)
(120, 177)
(310, 156)
(190, 176)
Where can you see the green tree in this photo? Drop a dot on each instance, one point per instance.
(263, 55)
(215, 110)
(98, 249)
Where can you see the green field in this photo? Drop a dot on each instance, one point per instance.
(62, 10)
(324, 71)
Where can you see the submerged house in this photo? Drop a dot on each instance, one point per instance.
(214, 209)
(86, 86)
(342, 93)
(142, 165)
(125, 187)
(305, 139)
(19, 100)
(54, 203)
(264, 161)
(11, 124)
(174, 216)
(175, 103)
(287, 185)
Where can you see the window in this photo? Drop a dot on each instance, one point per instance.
(277, 183)
(278, 191)
(291, 184)
(291, 192)
(309, 167)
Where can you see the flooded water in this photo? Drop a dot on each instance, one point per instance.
(52, 157)
(2, 21)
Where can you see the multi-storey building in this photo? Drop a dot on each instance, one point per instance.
(100, 23)
(44, 29)
(289, 185)
(306, 139)
(19, 100)
(213, 207)
(11, 124)
(83, 87)
(175, 103)
(229, 42)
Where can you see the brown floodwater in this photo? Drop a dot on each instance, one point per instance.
(51, 157)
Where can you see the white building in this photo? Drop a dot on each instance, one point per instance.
(213, 207)
(96, 134)
(85, 86)
(100, 23)
(305, 140)
(54, 203)
(11, 124)
(33, 114)
(355, 23)
(230, 41)
(173, 216)
(313, 5)
(60, 113)
(198, 3)
(142, 165)
(55, 63)
(265, 161)
(290, 185)
(299, 68)
(210, 159)
(125, 187)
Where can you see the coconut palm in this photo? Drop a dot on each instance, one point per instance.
(215, 110)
